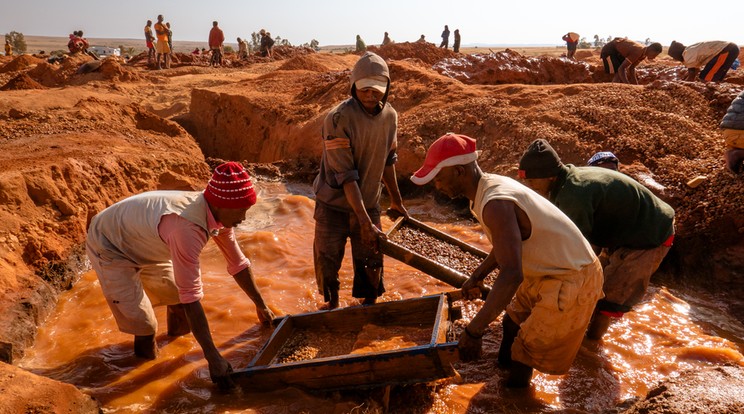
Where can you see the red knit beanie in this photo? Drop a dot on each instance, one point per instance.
(230, 187)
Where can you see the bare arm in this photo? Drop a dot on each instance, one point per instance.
(501, 218)
(245, 280)
(370, 232)
(625, 68)
(391, 183)
(219, 368)
(691, 74)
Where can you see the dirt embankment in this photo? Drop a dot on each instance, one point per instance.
(69, 152)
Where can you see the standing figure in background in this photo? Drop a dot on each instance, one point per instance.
(8, 48)
(733, 134)
(386, 40)
(267, 43)
(360, 45)
(421, 39)
(149, 39)
(170, 38)
(216, 38)
(456, 45)
(445, 37)
(242, 49)
(163, 48)
(359, 155)
(572, 41)
(716, 57)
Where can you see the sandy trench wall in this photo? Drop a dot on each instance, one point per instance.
(264, 127)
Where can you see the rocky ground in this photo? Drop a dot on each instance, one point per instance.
(73, 143)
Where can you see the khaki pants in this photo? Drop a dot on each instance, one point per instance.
(734, 138)
(132, 290)
(627, 273)
(553, 315)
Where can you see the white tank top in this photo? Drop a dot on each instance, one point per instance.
(129, 228)
(555, 247)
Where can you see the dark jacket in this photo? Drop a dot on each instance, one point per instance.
(734, 118)
(611, 209)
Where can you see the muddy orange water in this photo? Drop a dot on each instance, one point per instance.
(672, 331)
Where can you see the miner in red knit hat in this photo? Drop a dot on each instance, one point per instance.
(145, 250)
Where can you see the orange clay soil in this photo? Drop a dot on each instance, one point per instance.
(87, 140)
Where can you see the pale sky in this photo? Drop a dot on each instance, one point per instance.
(337, 22)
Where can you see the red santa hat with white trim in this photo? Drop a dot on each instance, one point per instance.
(448, 150)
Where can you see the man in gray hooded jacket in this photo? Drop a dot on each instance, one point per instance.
(359, 152)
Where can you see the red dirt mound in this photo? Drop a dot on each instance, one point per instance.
(511, 67)
(583, 54)
(20, 63)
(21, 81)
(426, 52)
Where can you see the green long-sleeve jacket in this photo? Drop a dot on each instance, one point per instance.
(611, 209)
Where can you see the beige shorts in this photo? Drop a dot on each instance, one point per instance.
(132, 290)
(553, 315)
(162, 47)
(734, 138)
(627, 273)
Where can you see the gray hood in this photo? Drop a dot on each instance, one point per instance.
(370, 64)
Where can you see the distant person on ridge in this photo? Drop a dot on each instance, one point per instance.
(360, 45)
(715, 57)
(549, 279)
(270, 44)
(216, 38)
(572, 42)
(386, 40)
(421, 39)
(445, 37)
(632, 227)
(75, 44)
(149, 39)
(359, 154)
(267, 43)
(242, 49)
(85, 45)
(604, 159)
(8, 48)
(170, 38)
(733, 134)
(145, 250)
(456, 45)
(621, 56)
(162, 47)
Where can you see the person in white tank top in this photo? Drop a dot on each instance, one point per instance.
(549, 279)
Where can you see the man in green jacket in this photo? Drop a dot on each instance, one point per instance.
(613, 212)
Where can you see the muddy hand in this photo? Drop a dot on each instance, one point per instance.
(470, 347)
(265, 315)
(219, 373)
(371, 235)
(471, 289)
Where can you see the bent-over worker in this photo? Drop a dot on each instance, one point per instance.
(550, 279)
(145, 250)
(614, 212)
